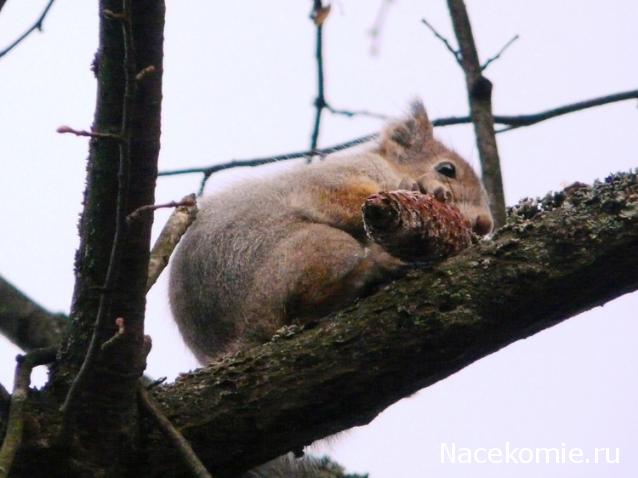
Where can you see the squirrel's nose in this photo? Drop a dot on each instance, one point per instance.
(482, 225)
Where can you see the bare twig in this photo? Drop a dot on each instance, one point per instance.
(479, 91)
(173, 435)
(25, 323)
(377, 27)
(135, 215)
(2, 2)
(120, 227)
(318, 16)
(144, 72)
(90, 134)
(353, 113)
(120, 330)
(499, 53)
(240, 163)
(36, 26)
(512, 121)
(15, 424)
(210, 170)
(530, 119)
(456, 53)
(168, 239)
(155, 383)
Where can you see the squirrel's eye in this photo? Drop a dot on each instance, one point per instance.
(446, 169)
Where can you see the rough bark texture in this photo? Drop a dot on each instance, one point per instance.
(25, 323)
(555, 258)
(479, 91)
(104, 417)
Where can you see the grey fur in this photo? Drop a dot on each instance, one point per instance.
(293, 246)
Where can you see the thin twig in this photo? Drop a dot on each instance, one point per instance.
(377, 27)
(36, 26)
(479, 92)
(173, 435)
(210, 170)
(456, 53)
(513, 121)
(170, 236)
(530, 119)
(319, 14)
(145, 72)
(240, 163)
(150, 385)
(90, 134)
(2, 2)
(353, 113)
(120, 330)
(135, 215)
(499, 53)
(120, 226)
(15, 424)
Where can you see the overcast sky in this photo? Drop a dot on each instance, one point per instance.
(239, 83)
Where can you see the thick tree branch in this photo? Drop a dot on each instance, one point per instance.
(25, 323)
(121, 212)
(555, 258)
(120, 179)
(479, 91)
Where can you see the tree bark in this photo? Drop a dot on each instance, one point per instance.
(99, 424)
(479, 90)
(25, 323)
(555, 258)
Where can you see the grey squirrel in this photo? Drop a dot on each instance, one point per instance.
(293, 247)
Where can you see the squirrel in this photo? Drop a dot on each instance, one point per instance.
(293, 247)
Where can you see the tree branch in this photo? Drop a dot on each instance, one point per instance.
(15, 425)
(377, 26)
(519, 121)
(555, 258)
(498, 54)
(515, 121)
(318, 16)
(191, 460)
(479, 91)
(25, 323)
(36, 26)
(455, 53)
(120, 179)
(170, 236)
(119, 238)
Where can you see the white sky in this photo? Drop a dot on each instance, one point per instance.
(239, 83)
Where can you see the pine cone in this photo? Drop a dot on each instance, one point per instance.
(414, 226)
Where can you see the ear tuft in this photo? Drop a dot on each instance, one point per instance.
(420, 116)
(399, 140)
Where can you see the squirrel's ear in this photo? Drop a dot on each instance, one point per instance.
(398, 138)
(421, 119)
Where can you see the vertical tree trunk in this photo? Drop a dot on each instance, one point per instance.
(102, 417)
